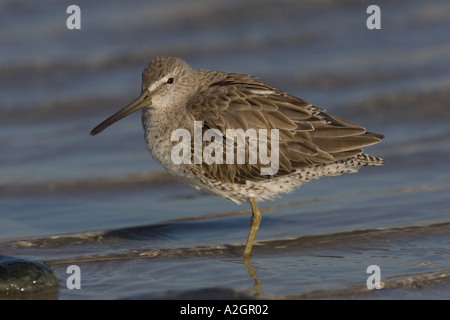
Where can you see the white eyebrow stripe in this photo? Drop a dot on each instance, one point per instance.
(156, 84)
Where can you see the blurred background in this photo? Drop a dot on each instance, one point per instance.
(69, 198)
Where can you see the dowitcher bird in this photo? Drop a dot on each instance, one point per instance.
(310, 143)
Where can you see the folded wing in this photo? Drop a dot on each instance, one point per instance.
(307, 135)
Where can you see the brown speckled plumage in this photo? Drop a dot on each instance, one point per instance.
(312, 143)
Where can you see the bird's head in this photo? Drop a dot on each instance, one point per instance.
(166, 82)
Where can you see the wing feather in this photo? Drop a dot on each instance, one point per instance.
(307, 135)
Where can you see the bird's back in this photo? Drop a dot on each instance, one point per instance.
(308, 137)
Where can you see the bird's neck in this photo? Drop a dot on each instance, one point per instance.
(158, 129)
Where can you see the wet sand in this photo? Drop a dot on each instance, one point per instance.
(104, 204)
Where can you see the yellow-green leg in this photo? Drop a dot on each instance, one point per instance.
(254, 226)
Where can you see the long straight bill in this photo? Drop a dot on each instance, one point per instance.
(142, 101)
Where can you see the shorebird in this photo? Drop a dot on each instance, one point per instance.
(310, 143)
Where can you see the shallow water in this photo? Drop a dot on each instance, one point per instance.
(104, 204)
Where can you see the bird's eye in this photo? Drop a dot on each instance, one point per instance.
(170, 80)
